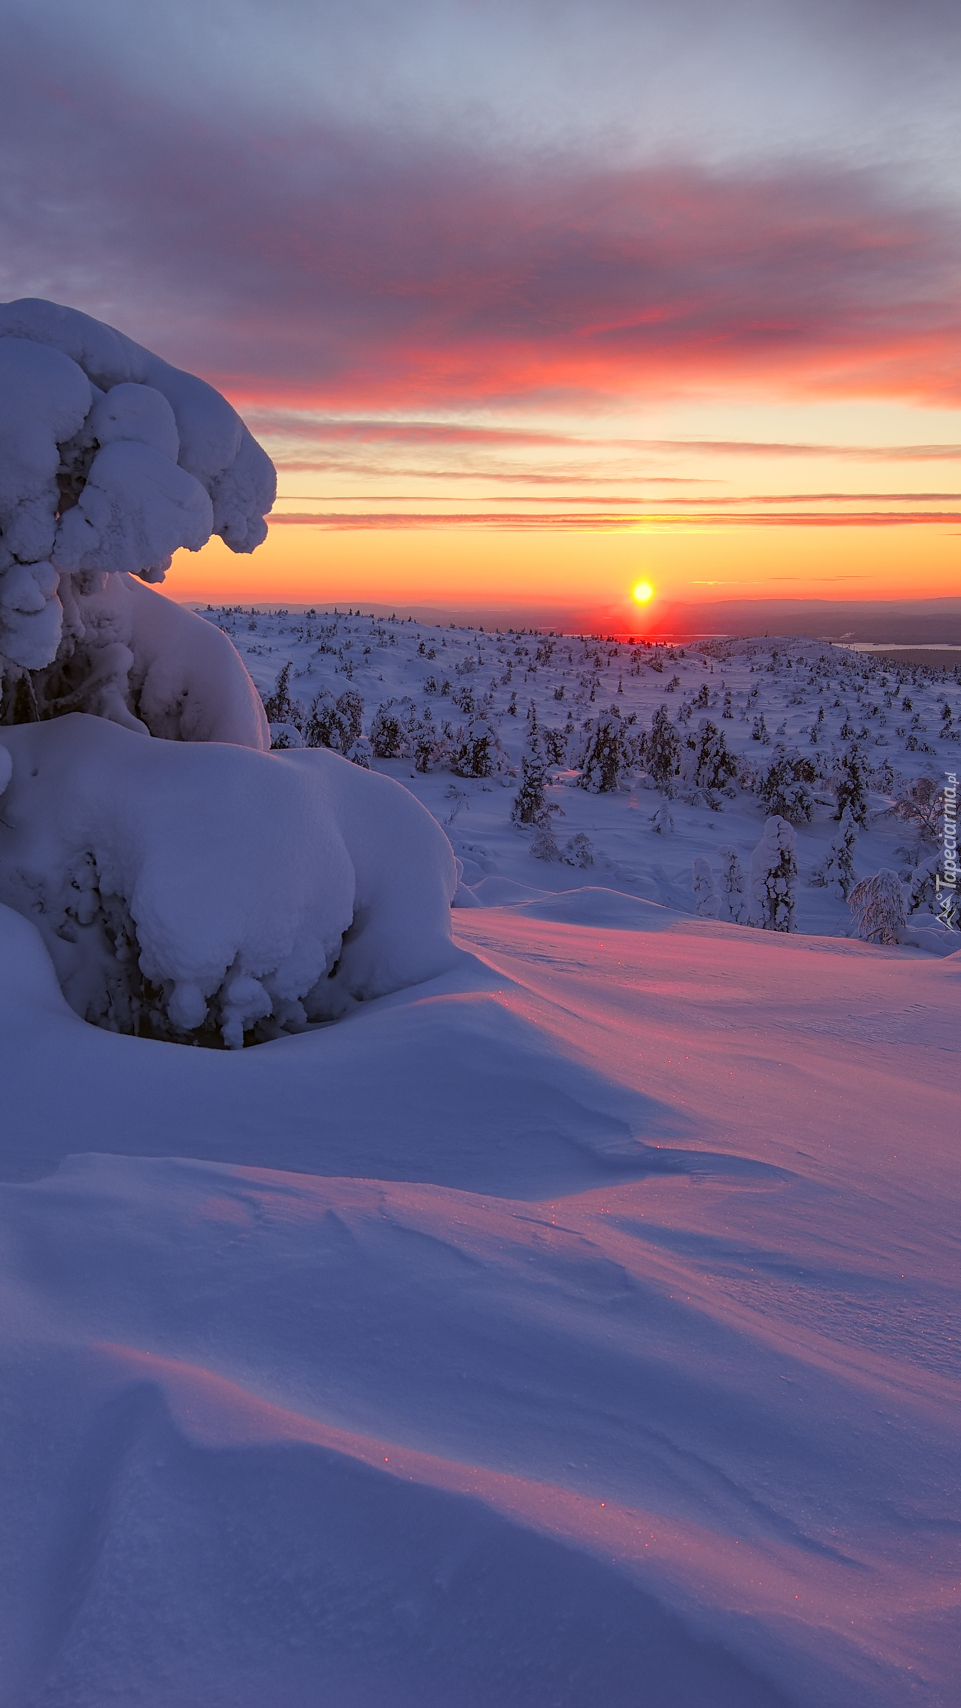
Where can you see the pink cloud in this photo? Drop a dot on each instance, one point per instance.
(362, 270)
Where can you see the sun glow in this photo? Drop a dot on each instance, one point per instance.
(643, 592)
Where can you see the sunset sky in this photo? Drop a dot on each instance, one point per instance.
(527, 300)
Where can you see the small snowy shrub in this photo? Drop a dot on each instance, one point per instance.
(579, 851)
(662, 822)
(335, 723)
(878, 907)
(836, 871)
(774, 877)
(733, 900)
(544, 846)
(390, 729)
(707, 902)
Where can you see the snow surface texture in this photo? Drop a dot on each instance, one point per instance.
(209, 891)
(110, 461)
(579, 1327)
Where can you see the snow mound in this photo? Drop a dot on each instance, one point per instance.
(206, 892)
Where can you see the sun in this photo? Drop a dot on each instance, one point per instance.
(643, 592)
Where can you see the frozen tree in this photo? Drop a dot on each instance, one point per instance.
(279, 706)
(110, 461)
(705, 762)
(662, 822)
(335, 723)
(707, 902)
(733, 901)
(607, 752)
(851, 784)
(530, 803)
(786, 787)
(878, 907)
(836, 871)
(428, 744)
(477, 752)
(196, 888)
(774, 877)
(390, 729)
(661, 750)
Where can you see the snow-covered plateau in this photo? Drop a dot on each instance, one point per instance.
(577, 1325)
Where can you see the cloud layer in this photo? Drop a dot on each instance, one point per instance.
(367, 268)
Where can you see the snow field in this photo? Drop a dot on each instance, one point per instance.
(578, 1325)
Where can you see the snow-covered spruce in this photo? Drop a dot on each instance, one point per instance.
(110, 461)
(774, 877)
(205, 892)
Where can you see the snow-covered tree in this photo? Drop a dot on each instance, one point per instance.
(733, 900)
(390, 729)
(705, 762)
(707, 902)
(851, 785)
(334, 723)
(661, 750)
(578, 851)
(530, 803)
(878, 907)
(477, 750)
(774, 877)
(110, 461)
(608, 752)
(786, 787)
(836, 871)
(196, 888)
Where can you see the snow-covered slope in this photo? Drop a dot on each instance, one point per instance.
(577, 1328)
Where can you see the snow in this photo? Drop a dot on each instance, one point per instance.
(556, 1302)
(110, 461)
(201, 889)
(643, 838)
(581, 1320)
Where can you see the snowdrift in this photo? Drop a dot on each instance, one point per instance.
(574, 1327)
(204, 891)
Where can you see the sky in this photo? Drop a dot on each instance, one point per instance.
(527, 300)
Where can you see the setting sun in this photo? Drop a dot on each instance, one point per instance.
(643, 592)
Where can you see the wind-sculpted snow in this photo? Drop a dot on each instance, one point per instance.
(110, 461)
(577, 1327)
(206, 891)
